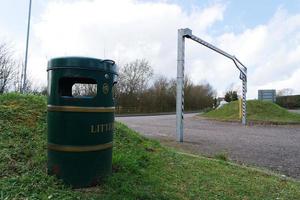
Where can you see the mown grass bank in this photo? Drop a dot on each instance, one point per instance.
(143, 169)
(257, 111)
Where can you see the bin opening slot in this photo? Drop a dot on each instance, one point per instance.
(77, 87)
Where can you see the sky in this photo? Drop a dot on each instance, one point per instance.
(264, 35)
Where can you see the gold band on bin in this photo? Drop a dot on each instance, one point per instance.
(80, 109)
(70, 148)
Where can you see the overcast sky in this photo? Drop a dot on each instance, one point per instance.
(264, 35)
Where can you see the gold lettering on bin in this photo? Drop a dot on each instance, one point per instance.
(101, 128)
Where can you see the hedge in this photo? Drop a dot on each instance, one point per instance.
(289, 101)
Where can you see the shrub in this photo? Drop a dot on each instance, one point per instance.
(288, 101)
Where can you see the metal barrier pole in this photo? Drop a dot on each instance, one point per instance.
(180, 85)
(244, 106)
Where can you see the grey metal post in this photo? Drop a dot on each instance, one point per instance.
(179, 91)
(26, 50)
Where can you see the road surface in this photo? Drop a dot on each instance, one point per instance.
(272, 147)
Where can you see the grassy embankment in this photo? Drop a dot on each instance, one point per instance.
(143, 169)
(257, 111)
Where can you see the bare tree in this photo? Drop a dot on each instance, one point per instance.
(7, 67)
(285, 92)
(133, 82)
(16, 82)
(134, 76)
(81, 89)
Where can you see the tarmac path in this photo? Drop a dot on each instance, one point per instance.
(272, 147)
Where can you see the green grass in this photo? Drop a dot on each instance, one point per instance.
(257, 111)
(143, 169)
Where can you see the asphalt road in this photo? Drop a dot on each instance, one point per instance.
(272, 147)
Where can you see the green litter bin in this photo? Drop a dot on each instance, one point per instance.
(80, 119)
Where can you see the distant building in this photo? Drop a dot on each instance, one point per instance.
(267, 95)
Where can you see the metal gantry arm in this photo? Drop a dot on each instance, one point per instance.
(187, 33)
(237, 63)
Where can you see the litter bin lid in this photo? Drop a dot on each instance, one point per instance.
(84, 63)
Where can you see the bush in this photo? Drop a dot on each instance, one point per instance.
(288, 101)
(231, 96)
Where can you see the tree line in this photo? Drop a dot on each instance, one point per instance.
(138, 91)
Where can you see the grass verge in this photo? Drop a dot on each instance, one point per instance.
(143, 169)
(257, 111)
